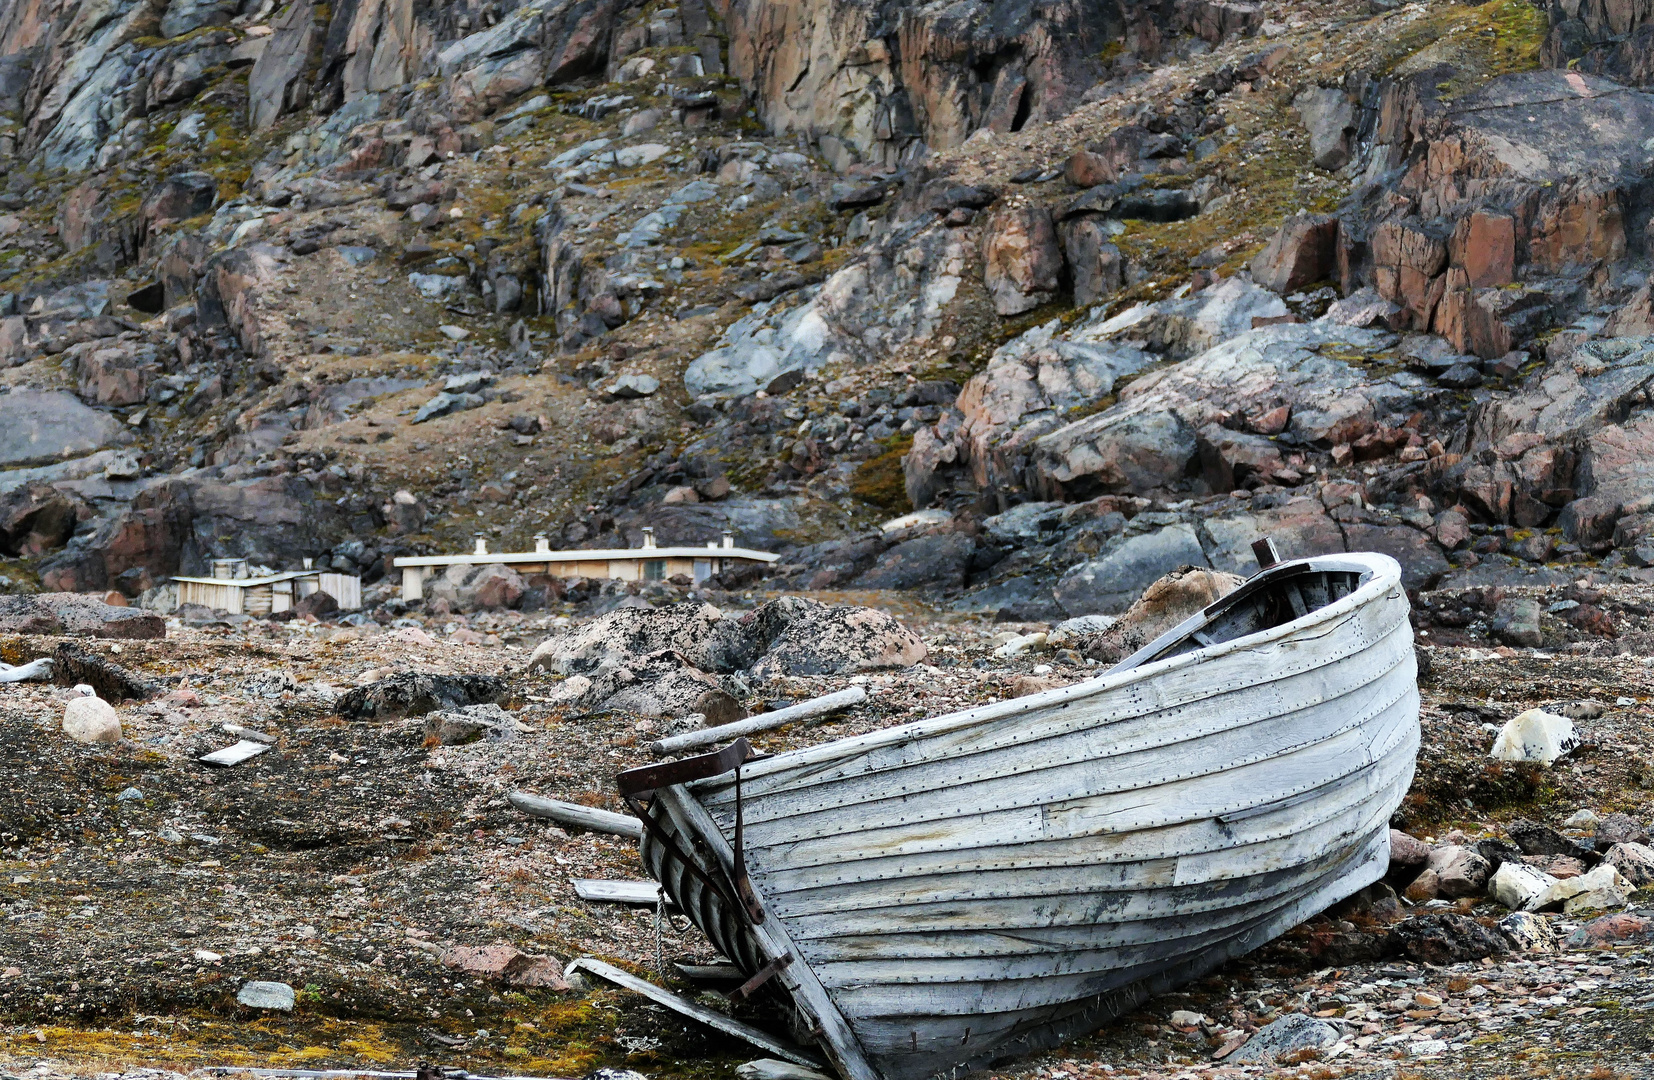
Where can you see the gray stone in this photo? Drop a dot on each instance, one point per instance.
(277, 83)
(437, 286)
(130, 794)
(1634, 861)
(757, 348)
(1516, 622)
(1284, 1035)
(1025, 523)
(1193, 324)
(1527, 932)
(1329, 115)
(937, 559)
(182, 16)
(633, 386)
(445, 403)
(356, 255)
(1109, 584)
(266, 995)
(39, 427)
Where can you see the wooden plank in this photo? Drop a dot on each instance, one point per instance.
(1115, 821)
(807, 992)
(821, 706)
(1151, 856)
(1280, 649)
(695, 1011)
(711, 973)
(643, 893)
(1234, 686)
(235, 754)
(1073, 771)
(585, 817)
(896, 903)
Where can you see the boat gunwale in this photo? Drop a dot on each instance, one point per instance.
(1095, 828)
(723, 807)
(1386, 575)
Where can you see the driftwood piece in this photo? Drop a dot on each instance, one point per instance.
(696, 1011)
(73, 665)
(584, 817)
(821, 706)
(400, 696)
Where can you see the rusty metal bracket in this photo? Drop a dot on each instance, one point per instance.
(646, 778)
(1263, 550)
(762, 976)
(636, 784)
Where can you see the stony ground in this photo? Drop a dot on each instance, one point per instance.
(141, 888)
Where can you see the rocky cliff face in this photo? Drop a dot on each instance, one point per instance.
(346, 280)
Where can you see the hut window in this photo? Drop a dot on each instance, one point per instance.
(654, 569)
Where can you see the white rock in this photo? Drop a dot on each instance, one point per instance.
(267, 995)
(1527, 931)
(454, 333)
(1186, 1018)
(1581, 819)
(1604, 887)
(91, 720)
(918, 517)
(771, 1069)
(1514, 884)
(1019, 645)
(1634, 861)
(1535, 735)
(642, 154)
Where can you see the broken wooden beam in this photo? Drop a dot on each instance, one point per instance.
(820, 706)
(584, 817)
(696, 1011)
(642, 893)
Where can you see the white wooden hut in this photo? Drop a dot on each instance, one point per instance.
(646, 563)
(233, 588)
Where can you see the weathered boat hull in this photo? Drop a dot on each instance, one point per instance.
(992, 882)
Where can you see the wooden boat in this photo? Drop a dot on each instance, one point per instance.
(934, 897)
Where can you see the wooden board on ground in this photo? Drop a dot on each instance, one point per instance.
(644, 893)
(684, 1007)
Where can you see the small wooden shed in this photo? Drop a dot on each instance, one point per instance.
(232, 588)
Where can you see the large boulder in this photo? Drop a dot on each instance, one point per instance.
(1260, 382)
(1028, 389)
(1302, 251)
(804, 637)
(41, 427)
(937, 559)
(1022, 261)
(278, 83)
(789, 636)
(78, 615)
(36, 517)
(758, 349)
(1183, 327)
(1329, 115)
(697, 632)
(1167, 601)
(1111, 582)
